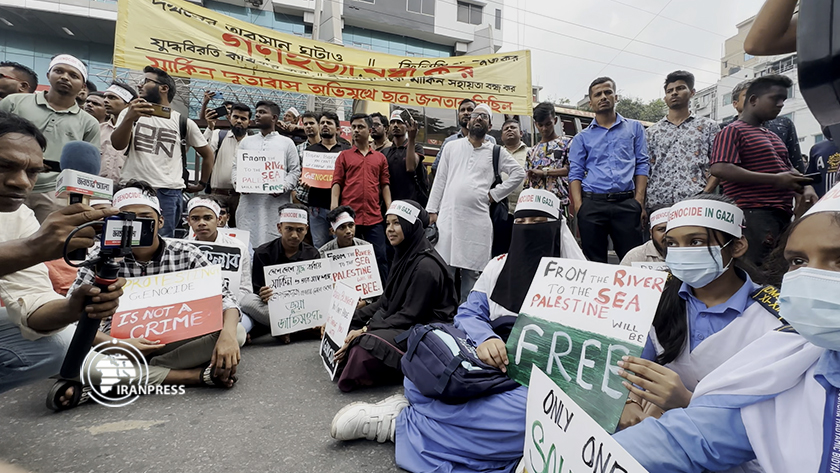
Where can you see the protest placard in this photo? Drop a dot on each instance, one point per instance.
(302, 295)
(560, 436)
(317, 169)
(342, 308)
(356, 267)
(577, 321)
(242, 235)
(228, 257)
(170, 307)
(653, 266)
(260, 172)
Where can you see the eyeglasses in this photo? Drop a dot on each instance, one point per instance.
(146, 80)
(4, 76)
(483, 116)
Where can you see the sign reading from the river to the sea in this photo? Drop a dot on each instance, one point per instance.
(577, 321)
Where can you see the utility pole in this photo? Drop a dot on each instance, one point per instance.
(316, 36)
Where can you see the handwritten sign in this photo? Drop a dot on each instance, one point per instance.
(302, 295)
(356, 266)
(577, 321)
(651, 266)
(342, 308)
(237, 233)
(170, 307)
(317, 169)
(561, 437)
(228, 257)
(260, 172)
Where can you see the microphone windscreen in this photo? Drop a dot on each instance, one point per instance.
(80, 156)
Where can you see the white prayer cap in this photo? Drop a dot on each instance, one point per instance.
(395, 115)
(120, 92)
(292, 215)
(202, 202)
(659, 217)
(539, 200)
(713, 214)
(135, 196)
(293, 111)
(405, 210)
(830, 202)
(342, 218)
(68, 60)
(483, 107)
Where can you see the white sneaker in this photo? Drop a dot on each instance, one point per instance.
(363, 420)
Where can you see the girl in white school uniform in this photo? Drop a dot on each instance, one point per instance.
(710, 308)
(778, 400)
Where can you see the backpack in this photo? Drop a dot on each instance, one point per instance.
(444, 365)
(499, 212)
(182, 136)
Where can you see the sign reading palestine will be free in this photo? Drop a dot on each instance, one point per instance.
(187, 40)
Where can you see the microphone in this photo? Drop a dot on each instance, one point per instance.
(79, 180)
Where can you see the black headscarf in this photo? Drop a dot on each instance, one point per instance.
(413, 246)
(529, 244)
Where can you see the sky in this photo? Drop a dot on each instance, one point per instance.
(636, 42)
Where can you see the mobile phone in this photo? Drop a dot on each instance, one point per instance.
(161, 111)
(220, 111)
(815, 177)
(142, 236)
(406, 116)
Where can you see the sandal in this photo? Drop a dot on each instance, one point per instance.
(207, 378)
(81, 395)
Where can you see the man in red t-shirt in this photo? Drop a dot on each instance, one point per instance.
(755, 170)
(360, 181)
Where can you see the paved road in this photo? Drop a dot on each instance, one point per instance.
(276, 419)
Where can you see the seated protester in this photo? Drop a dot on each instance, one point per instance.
(288, 248)
(204, 217)
(343, 228)
(488, 433)
(34, 320)
(186, 362)
(654, 250)
(419, 291)
(775, 400)
(710, 308)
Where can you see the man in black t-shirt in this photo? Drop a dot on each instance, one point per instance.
(405, 162)
(825, 159)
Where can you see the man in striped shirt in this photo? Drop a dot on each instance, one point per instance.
(755, 169)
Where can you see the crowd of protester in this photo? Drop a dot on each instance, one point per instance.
(721, 371)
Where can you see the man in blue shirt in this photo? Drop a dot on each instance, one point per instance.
(825, 159)
(608, 174)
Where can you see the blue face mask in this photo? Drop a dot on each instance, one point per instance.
(696, 266)
(810, 302)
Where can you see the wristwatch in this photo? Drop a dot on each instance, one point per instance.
(546, 169)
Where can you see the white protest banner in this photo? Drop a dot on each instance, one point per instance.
(577, 321)
(302, 295)
(228, 257)
(260, 172)
(651, 266)
(342, 308)
(317, 169)
(170, 307)
(356, 267)
(560, 436)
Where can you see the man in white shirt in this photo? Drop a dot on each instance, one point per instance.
(461, 197)
(224, 144)
(258, 212)
(154, 146)
(33, 322)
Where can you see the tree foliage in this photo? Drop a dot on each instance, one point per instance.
(635, 108)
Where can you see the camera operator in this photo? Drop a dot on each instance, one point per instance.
(33, 339)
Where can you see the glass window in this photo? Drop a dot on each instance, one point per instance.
(414, 6)
(469, 13)
(498, 19)
(819, 138)
(475, 14)
(440, 123)
(727, 98)
(426, 7)
(463, 12)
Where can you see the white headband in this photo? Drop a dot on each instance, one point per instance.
(659, 217)
(294, 216)
(342, 218)
(71, 61)
(712, 214)
(540, 200)
(830, 202)
(99, 202)
(403, 209)
(200, 202)
(294, 111)
(120, 92)
(134, 196)
(483, 107)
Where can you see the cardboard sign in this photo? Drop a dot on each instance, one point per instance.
(356, 266)
(652, 266)
(302, 295)
(342, 308)
(577, 321)
(317, 169)
(242, 235)
(260, 172)
(170, 307)
(228, 257)
(561, 437)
